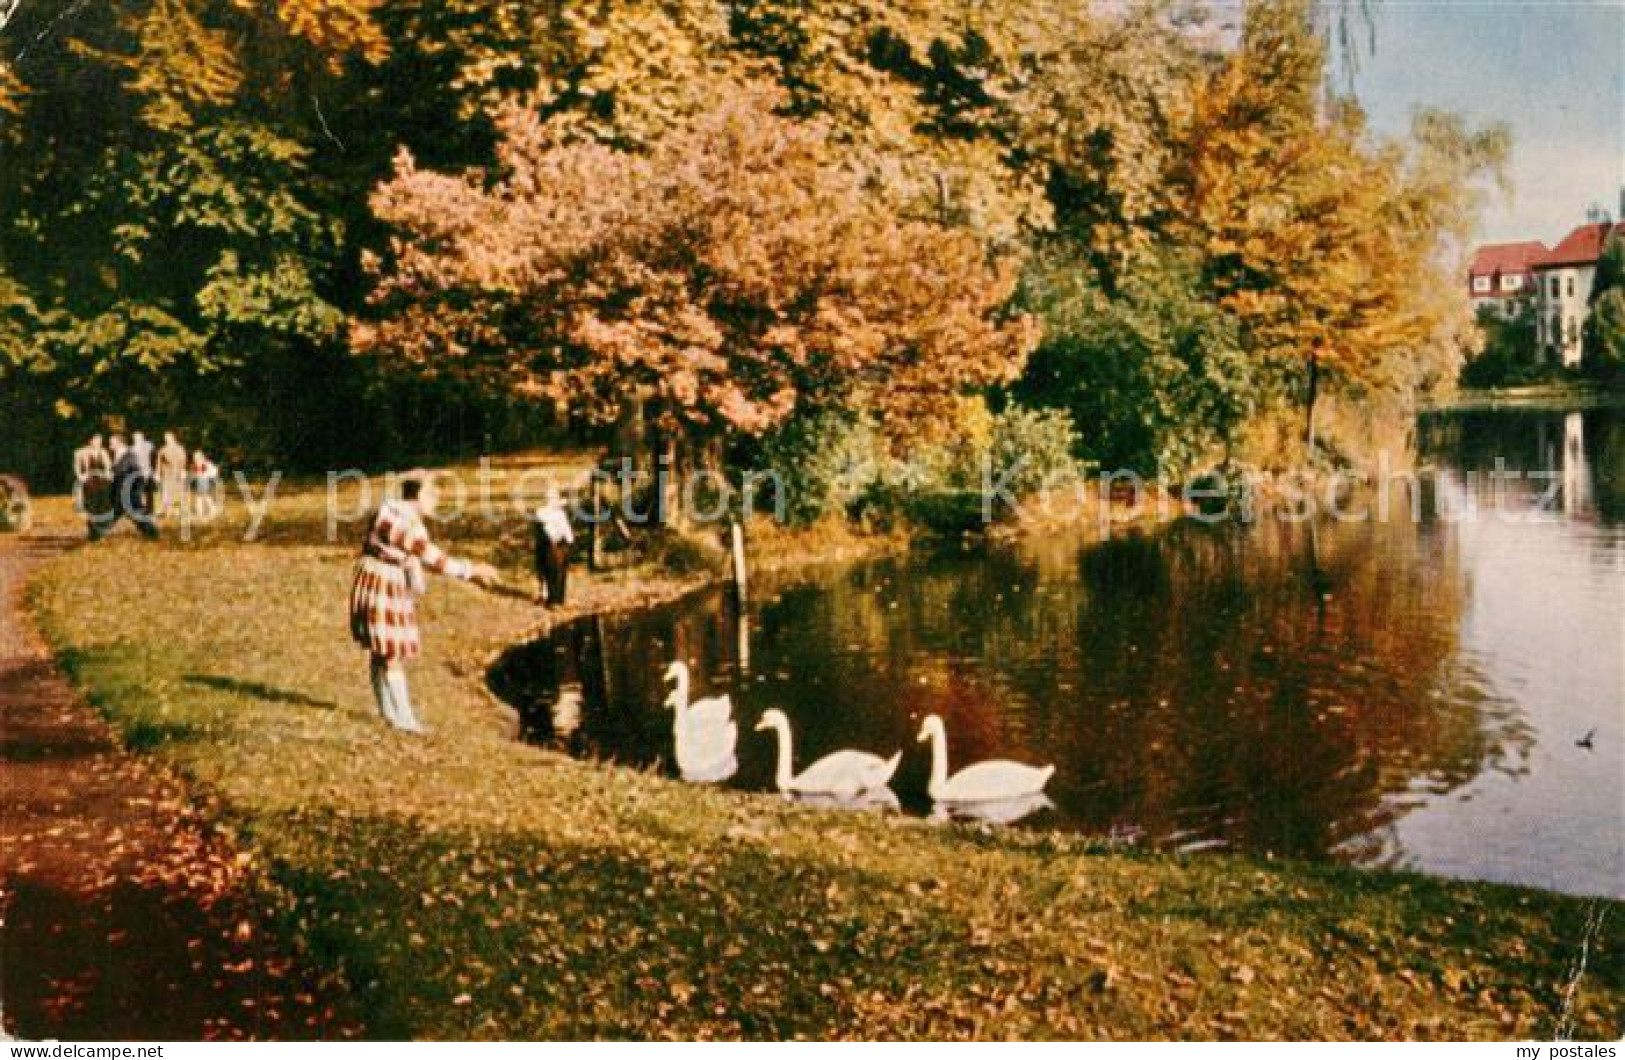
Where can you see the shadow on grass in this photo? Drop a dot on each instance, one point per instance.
(258, 690)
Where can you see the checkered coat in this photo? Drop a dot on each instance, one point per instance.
(389, 577)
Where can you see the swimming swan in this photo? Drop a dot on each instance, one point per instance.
(983, 782)
(704, 735)
(705, 753)
(998, 811)
(716, 710)
(842, 774)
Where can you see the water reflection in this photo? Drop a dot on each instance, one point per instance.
(1387, 692)
(565, 713)
(1576, 471)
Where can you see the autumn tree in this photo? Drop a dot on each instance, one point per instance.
(1327, 246)
(1007, 117)
(1099, 107)
(735, 273)
(1449, 171)
(189, 189)
(980, 115)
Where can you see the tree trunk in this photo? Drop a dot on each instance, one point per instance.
(1309, 410)
(668, 483)
(595, 547)
(629, 440)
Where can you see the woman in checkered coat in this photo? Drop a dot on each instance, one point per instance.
(389, 576)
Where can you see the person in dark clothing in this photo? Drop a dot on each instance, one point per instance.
(550, 526)
(96, 496)
(130, 495)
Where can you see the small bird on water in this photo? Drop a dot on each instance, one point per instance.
(1585, 741)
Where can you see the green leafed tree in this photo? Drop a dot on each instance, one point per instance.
(1604, 349)
(1153, 374)
(170, 224)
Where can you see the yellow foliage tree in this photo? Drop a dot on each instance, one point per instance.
(11, 99)
(193, 55)
(1326, 247)
(181, 64)
(966, 113)
(337, 29)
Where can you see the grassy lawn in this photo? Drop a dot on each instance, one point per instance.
(468, 885)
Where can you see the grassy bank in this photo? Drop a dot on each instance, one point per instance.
(1537, 397)
(468, 885)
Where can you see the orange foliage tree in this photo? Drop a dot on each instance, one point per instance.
(734, 273)
(1327, 247)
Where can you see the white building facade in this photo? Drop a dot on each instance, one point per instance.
(1563, 292)
(1563, 278)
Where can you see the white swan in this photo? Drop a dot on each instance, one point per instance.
(999, 811)
(842, 774)
(991, 781)
(875, 800)
(715, 710)
(703, 734)
(705, 753)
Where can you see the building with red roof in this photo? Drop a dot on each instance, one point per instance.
(1501, 275)
(1563, 278)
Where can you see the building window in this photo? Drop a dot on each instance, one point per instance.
(1574, 332)
(1511, 283)
(1551, 286)
(1481, 285)
(1571, 285)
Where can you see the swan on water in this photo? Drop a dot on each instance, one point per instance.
(842, 774)
(714, 710)
(705, 753)
(704, 735)
(875, 800)
(998, 811)
(992, 781)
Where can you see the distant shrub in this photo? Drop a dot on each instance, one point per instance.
(1510, 355)
(826, 464)
(1034, 447)
(841, 465)
(686, 553)
(946, 511)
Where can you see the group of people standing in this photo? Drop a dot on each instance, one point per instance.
(134, 480)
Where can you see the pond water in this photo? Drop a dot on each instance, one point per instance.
(1408, 693)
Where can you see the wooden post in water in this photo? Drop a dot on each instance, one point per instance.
(743, 645)
(741, 577)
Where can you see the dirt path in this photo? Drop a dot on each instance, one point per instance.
(122, 916)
